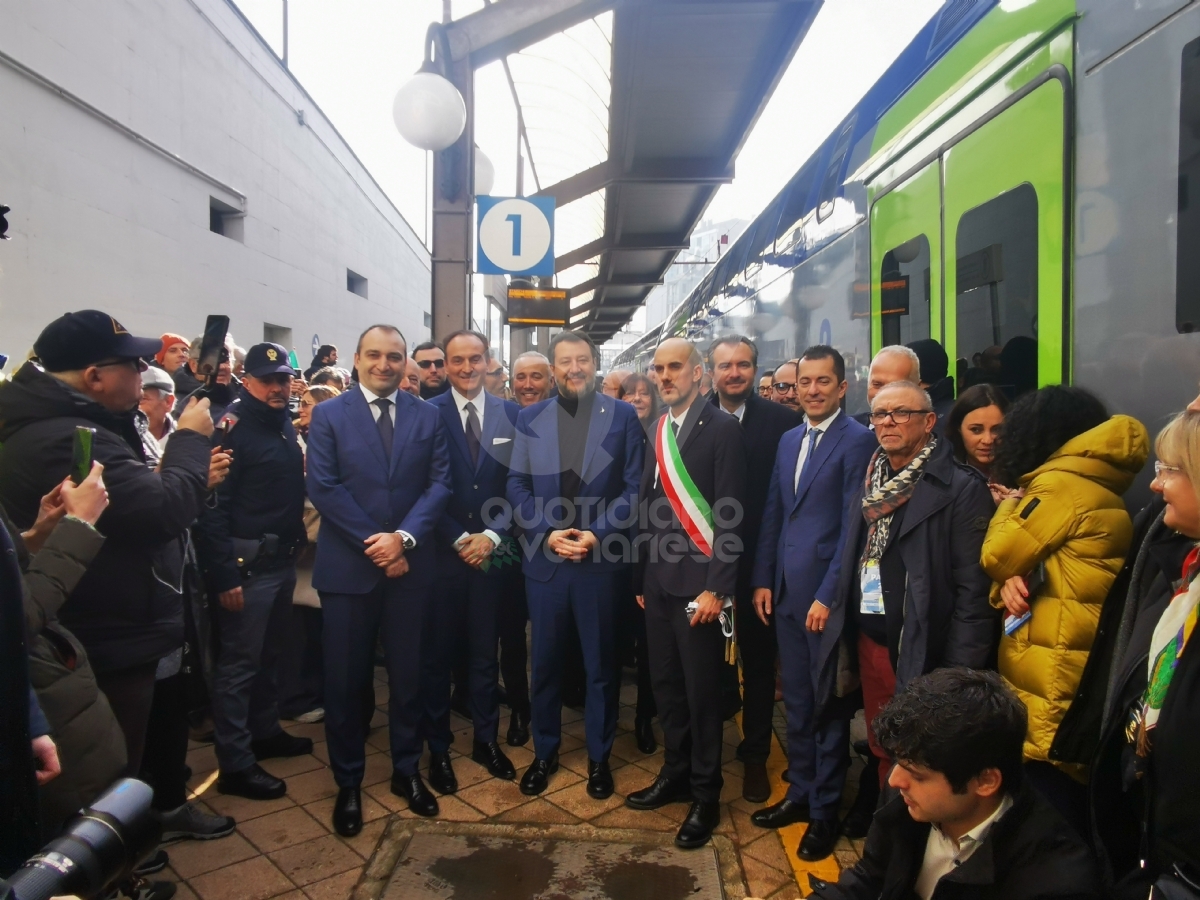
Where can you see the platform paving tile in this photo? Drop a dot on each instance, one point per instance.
(285, 849)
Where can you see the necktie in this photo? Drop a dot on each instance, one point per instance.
(813, 434)
(385, 424)
(674, 428)
(473, 431)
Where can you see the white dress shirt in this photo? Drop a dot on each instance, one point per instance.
(461, 402)
(806, 442)
(376, 412)
(943, 855)
(739, 413)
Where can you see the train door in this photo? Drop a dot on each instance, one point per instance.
(1005, 239)
(906, 260)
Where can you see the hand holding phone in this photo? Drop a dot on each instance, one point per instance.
(81, 453)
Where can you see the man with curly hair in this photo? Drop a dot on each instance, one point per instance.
(965, 824)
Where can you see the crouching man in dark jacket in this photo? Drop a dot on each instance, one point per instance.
(965, 824)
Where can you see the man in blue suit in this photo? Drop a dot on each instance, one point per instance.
(471, 574)
(817, 470)
(573, 485)
(379, 475)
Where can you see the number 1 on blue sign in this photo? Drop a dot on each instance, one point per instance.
(515, 218)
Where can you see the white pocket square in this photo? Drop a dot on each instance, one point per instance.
(501, 440)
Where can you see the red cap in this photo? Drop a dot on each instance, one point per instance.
(168, 341)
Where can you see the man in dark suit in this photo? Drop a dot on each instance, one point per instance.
(480, 428)
(819, 468)
(576, 462)
(733, 361)
(689, 546)
(379, 475)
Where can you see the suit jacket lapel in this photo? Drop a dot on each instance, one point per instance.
(404, 424)
(824, 449)
(453, 421)
(360, 414)
(603, 410)
(790, 448)
(696, 416)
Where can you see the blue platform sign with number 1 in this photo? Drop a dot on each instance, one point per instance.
(516, 236)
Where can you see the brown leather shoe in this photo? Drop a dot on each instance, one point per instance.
(755, 786)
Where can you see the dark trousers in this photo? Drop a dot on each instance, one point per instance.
(685, 669)
(818, 753)
(514, 647)
(396, 612)
(575, 590)
(130, 693)
(633, 621)
(467, 605)
(757, 649)
(166, 743)
(245, 689)
(302, 668)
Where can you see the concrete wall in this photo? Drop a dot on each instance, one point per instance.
(100, 218)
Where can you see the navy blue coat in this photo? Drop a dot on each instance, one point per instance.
(360, 493)
(612, 472)
(478, 491)
(804, 527)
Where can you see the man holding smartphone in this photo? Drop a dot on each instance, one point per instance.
(247, 544)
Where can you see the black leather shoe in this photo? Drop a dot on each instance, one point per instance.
(659, 794)
(281, 745)
(818, 840)
(756, 787)
(600, 780)
(697, 828)
(254, 783)
(492, 758)
(537, 776)
(780, 815)
(347, 812)
(518, 729)
(441, 774)
(413, 789)
(643, 730)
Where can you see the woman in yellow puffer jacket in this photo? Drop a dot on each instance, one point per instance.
(1053, 553)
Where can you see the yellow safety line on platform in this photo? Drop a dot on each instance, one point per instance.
(826, 869)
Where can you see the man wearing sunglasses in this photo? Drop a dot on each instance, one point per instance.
(431, 360)
(911, 596)
(87, 373)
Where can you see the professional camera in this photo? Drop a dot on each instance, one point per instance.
(100, 847)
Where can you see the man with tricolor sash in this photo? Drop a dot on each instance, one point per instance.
(685, 577)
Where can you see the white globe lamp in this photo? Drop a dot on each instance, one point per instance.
(429, 112)
(485, 173)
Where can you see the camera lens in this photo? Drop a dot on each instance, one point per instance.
(99, 846)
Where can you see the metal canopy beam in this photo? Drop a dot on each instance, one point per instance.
(656, 171)
(663, 243)
(509, 26)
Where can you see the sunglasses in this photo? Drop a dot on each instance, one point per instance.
(436, 363)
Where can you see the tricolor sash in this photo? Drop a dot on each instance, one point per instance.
(686, 500)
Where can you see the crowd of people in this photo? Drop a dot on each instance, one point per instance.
(246, 548)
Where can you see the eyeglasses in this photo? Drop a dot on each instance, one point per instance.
(1161, 469)
(495, 373)
(899, 416)
(436, 363)
(784, 387)
(139, 365)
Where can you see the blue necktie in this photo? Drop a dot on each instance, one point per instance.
(385, 424)
(813, 434)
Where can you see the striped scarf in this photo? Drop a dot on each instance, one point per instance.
(881, 498)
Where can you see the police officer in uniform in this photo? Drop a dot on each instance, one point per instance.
(247, 544)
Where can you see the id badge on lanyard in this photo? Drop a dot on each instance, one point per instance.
(872, 589)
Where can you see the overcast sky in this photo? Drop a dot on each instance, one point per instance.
(353, 55)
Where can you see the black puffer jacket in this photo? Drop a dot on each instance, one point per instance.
(115, 610)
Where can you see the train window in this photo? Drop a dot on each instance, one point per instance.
(996, 287)
(1187, 259)
(904, 288)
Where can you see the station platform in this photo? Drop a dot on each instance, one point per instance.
(490, 841)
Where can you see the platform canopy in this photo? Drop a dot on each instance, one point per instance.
(686, 82)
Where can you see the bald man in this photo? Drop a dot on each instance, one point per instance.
(614, 381)
(891, 364)
(689, 549)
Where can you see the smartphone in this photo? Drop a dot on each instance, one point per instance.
(81, 453)
(1035, 579)
(212, 347)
